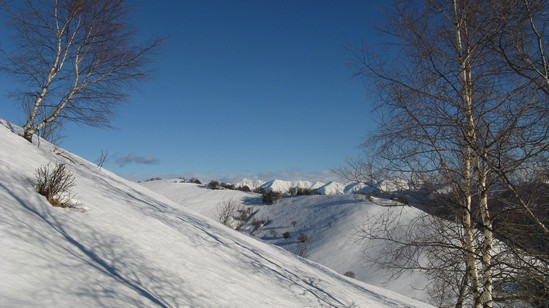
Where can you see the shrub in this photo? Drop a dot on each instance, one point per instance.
(55, 184)
(349, 274)
(292, 191)
(301, 191)
(214, 185)
(258, 224)
(302, 249)
(195, 181)
(102, 159)
(244, 188)
(402, 199)
(302, 238)
(271, 197)
(286, 235)
(225, 211)
(153, 179)
(273, 233)
(243, 214)
(227, 186)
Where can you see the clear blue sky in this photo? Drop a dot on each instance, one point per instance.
(240, 88)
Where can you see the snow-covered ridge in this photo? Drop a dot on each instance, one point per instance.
(252, 184)
(330, 188)
(128, 246)
(284, 186)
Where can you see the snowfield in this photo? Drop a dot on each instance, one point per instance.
(127, 246)
(322, 228)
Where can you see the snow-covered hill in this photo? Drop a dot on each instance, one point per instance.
(322, 227)
(127, 246)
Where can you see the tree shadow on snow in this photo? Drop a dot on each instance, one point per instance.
(81, 261)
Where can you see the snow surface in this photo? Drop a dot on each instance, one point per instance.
(330, 223)
(127, 246)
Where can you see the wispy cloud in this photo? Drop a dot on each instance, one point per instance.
(136, 159)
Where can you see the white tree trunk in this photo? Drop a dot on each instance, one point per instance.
(482, 293)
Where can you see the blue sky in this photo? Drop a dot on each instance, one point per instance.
(240, 88)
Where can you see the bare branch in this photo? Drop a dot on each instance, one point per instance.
(77, 59)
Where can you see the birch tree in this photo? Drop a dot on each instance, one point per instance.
(74, 58)
(465, 109)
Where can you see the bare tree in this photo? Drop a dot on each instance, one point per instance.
(231, 213)
(523, 41)
(103, 157)
(52, 132)
(75, 59)
(464, 113)
(362, 170)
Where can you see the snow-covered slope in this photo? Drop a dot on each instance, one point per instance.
(128, 246)
(329, 223)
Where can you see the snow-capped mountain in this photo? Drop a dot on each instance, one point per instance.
(330, 188)
(251, 184)
(284, 186)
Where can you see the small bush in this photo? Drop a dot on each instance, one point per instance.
(294, 223)
(102, 159)
(55, 184)
(286, 235)
(261, 222)
(301, 191)
(195, 181)
(302, 238)
(302, 249)
(349, 274)
(227, 186)
(271, 197)
(153, 179)
(214, 185)
(402, 199)
(243, 214)
(192, 180)
(273, 233)
(258, 224)
(244, 188)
